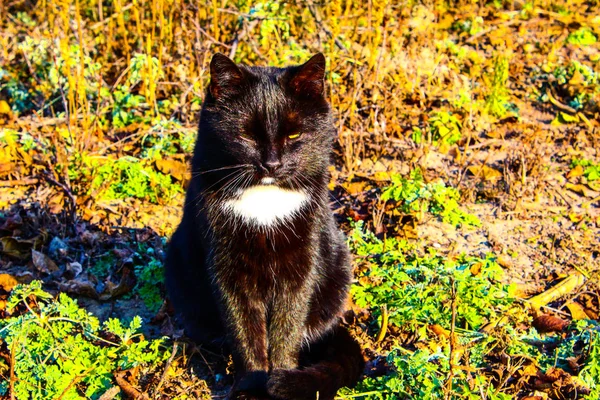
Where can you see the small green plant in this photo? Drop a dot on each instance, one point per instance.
(581, 84)
(582, 36)
(470, 26)
(102, 265)
(590, 337)
(444, 127)
(591, 171)
(128, 177)
(62, 351)
(425, 297)
(124, 109)
(497, 102)
(416, 289)
(149, 279)
(414, 196)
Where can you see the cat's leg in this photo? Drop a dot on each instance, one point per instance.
(247, 322)
(248, 326)
(287, 326)
(189, 287)
(331, 295)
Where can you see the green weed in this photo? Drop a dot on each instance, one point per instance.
(128, 177)
(497, 102)
(103, 264)
(149, 278)
(580, 84)
(591, 171)
(423, 294)
(62, 351)
(414, 196)
(444, 127)
(416, 289)
(583, 36)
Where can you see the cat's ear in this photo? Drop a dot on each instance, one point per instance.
(309, 79)
(225, 76)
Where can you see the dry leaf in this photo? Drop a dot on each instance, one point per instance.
(548, 323)
(487, 173)
(475, 269)
(175, 168)
(5, 108)
(504, 261)
(381, 176)
(575, 172)
(583, 190)
(12, 222)
(439, 331)
(19, 248)
(43, 263)
(110, 393)
(564, 287)
(577, 311)
(7, 282)
(79, 287)
(354, 188)
(127, 387)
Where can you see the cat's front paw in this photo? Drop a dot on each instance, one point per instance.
(296, 384)
(243, 395)
(286, 384)
(251, 386)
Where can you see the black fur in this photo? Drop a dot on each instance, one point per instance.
(275, 292)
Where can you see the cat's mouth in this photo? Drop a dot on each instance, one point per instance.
(267, 180)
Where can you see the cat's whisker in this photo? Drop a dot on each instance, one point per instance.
(197, 173)
(220, 180)
(233, 183)
(208, 202)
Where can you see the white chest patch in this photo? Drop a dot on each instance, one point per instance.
(266, 204)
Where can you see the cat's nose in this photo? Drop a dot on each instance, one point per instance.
(272, 165)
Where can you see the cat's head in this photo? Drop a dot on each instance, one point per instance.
(264, 126)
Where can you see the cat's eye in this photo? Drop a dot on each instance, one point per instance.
(294, 136)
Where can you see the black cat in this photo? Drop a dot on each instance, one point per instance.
(257, 257)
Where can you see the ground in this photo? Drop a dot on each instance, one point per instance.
(466, 176)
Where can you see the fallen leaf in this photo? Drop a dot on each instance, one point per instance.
(564, 287)
(583, 190)
(575, 172)
(74, 269)
(5, 108)
(548, 323)
(127, 387)
(487, 173)
(382, 176)
(12, 222)
(125, 285)
(43, 263)
(354, 188)
(594, 185)
(175, 168)
(110, 393)
(475, 269)
(79, 287)
(504, 261)
(18, 248)
(439, 330)
(577, 311)
(7, 282)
